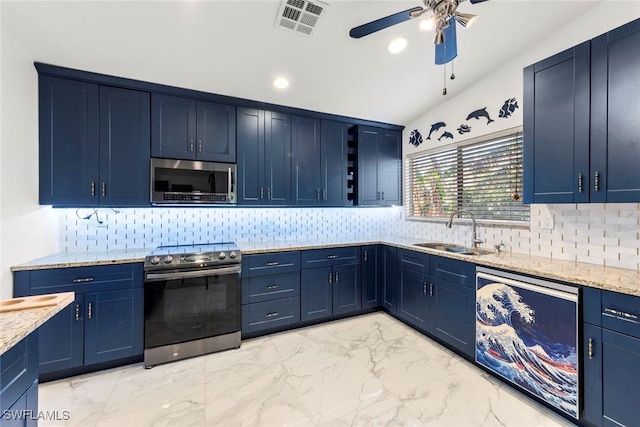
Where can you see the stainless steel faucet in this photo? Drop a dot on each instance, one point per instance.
(475, 239)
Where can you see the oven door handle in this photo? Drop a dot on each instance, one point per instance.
(188, 274)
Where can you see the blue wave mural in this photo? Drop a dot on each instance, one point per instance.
(530, 339)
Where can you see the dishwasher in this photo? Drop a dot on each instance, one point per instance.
(527, 333)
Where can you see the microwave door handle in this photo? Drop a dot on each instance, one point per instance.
(228, 184)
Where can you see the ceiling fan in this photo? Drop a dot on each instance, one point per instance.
(443, 14)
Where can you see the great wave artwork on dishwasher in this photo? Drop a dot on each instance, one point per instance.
(528, 336)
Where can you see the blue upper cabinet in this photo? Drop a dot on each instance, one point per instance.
(184, 128)
(264, 157)
(581, 131)
(94, 144)
(379, 166)
(556, 128)
(319, 162)
(615, 110)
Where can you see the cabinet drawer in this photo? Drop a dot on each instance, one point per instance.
(621, 313)
(85, 279)
(18, 370)
(270, 287)
(414, 261)
(275, 263)
(453, 270)
(329, 257)
(270, 314)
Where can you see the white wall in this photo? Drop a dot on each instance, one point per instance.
(594, 233)
(27, 230)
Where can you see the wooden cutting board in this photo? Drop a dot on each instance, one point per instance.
(36, 301)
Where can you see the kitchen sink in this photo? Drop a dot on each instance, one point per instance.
(449, 247)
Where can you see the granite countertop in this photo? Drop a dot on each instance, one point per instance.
(16, 325)
(595, 276)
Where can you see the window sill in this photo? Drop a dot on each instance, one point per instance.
(480, 222)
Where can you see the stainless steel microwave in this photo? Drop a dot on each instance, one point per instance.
(188, 182)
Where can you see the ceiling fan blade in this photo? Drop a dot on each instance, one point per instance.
(382, 23)
(477, 1)
(448, 50)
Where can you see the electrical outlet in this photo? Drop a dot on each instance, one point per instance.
(547, 222)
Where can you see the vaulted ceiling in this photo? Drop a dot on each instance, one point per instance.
(234, 48)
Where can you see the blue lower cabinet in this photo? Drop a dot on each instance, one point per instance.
(270, 314)
(372, 276)
(453, 315)
(113, 325)
(62, 339)
(592, 374)
(24, 412)
(267, 288)
(346, 289)
(19, 384)
(390, 281)
(316, 296)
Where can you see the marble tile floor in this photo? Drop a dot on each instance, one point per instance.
(369, 370)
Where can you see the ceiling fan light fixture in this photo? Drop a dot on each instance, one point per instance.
(439, 37)
(427, 24)
(465, 19)
(280, 83)
(397, 45)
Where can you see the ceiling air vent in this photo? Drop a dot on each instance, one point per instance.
(300, 15)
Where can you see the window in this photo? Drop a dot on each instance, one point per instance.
(483, 175)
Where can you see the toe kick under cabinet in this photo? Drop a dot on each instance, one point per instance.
(104, 324)
(270, 291)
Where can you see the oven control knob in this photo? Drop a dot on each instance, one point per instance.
(154, 260)
(168, 259)
(232, 254)
(222, 255)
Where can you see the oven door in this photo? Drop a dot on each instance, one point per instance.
(181, 306)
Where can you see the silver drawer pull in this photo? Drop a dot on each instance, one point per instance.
(77, 311)
(274, 314)
(90, 310)
(332, 256)
(272, 287)
(272, 263)
(622, 315)
(590, 348)
(83, 280)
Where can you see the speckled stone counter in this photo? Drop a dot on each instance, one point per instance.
(608, 278)
(16, 325)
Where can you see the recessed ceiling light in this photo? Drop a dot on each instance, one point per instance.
(280, 83)
(397, 45)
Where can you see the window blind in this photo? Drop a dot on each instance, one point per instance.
(484, 177)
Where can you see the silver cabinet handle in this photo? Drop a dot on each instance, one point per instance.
(430, 289)
(89, 311)
(83, 280)
(424, 288)
(93, 189)
(200, 146)
(330, 278)
(377, 195)
(272, 287)
(596, 181)
(590, 348)
(580, 183)
(336, 277)
(317, 194)
(273, 314)
(382, 195)
(332, 257)
(104, 189)
(262, 192)
(323, 194)
(268, 193)
(191, 145)
(365, 256)
(272, 263)
(622, 315)
(77, 311)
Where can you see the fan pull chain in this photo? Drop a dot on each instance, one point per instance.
(444, 89)
(453, 76)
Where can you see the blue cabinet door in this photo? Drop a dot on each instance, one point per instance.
(368, 193)
(113, 325)
(124, 147)
(615, 108)
(452, 314)
(277, 158)
(250, 131)
(173, 127)
(333, 163)
(390, 279)
(389, 167)
(620, 379)
(305, 140)
(556, 128)
(347, 289)
(61, 339)
(592, 373)
(216, 132)
(413, 303)
(316, 297)
(372, 276)
(68, 126)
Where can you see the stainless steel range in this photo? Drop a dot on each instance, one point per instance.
(192, 301)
